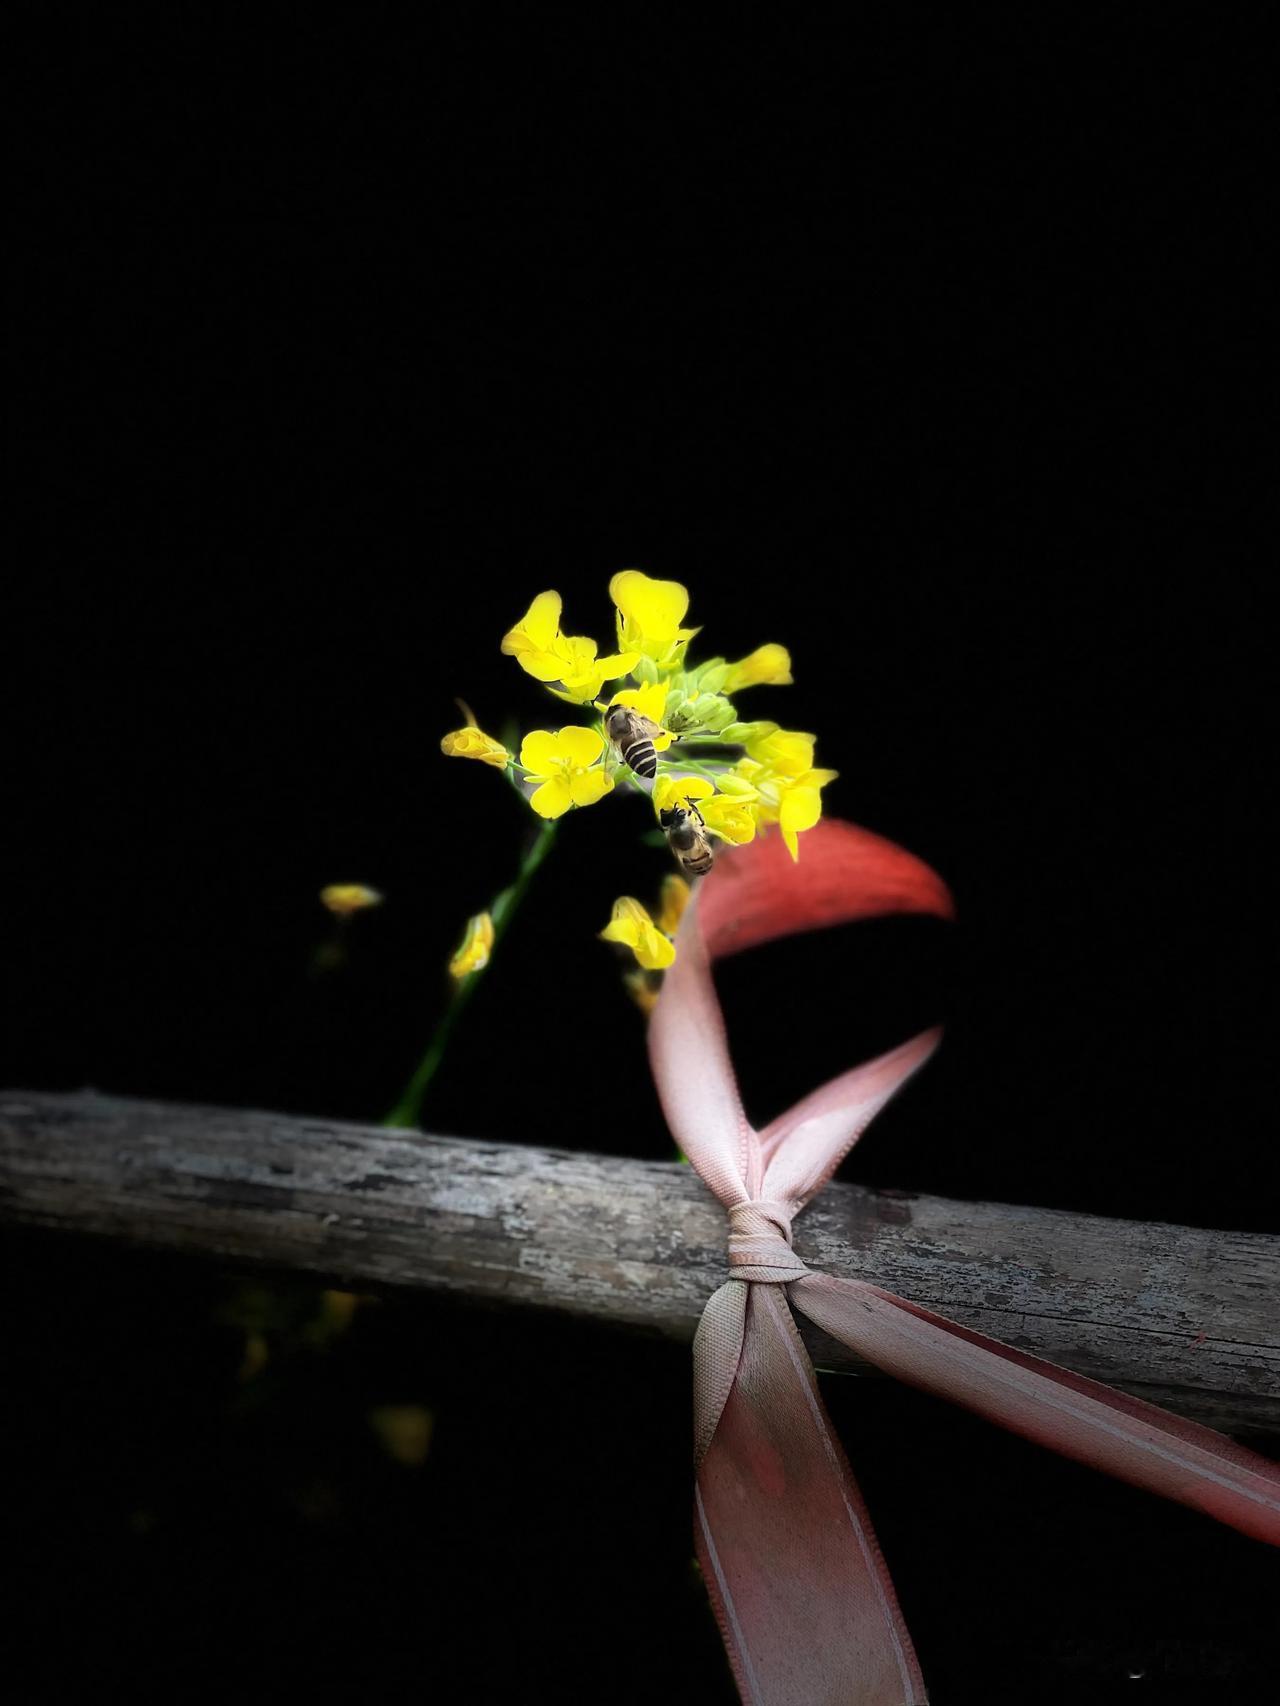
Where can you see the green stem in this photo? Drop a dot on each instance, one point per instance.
(503, 909)
(699, 766)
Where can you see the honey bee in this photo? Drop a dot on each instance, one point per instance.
(633, 735)
(688, 839)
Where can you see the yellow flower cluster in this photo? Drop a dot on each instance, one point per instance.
(750, 777)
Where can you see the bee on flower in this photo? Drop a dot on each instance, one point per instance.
(653, 721)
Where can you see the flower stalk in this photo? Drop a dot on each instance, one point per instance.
(408, 1110)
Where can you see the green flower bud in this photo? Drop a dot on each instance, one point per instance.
(738, 734)
(712, 676)
(713, 712)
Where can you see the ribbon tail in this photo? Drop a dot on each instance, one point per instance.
(1084, 1419)
(801, 1593)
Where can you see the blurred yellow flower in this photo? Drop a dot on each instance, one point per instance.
(767, 666)
(649, 616)
(476, 947)
(474, 743)
(642, 989)
(405, 1432)
(566, 769)
(673, 897)
(565, 663)
(632, 926)
(342, 899)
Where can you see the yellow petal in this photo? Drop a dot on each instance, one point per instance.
(588, 786)
(653, 950)
(581, 690)
(784, 751)
(541, 752)
(625, 922)
(655, 609)
(542, 666)
(767, 666)
(576, 652)
(731, 819)
(579, 745)
(793, 846)
(616, 664)
(668, 789)
(537, 628)
(622, 930)
(553, 798)
(800, 809)
(650, 700)
(632, 926)
(342, 899)
(474, 743)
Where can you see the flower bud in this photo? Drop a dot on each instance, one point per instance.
(342, 899)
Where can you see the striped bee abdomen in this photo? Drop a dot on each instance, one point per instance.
(634, 735)
(641, 757)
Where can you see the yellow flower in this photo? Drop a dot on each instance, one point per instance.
(767, 666)
(405, 1432)
(781, 750)
(474, 743)
(730, 815)
(673, 897)
(566, 663)
(343, 899)
(793, 802)
(731, 819)
(632, 926)
(566, 769)
(650, 699)
(535, 634)
(476, 947)
(649, 616)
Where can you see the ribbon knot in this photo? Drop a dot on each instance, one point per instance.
(760, 1243)
(801, 1592)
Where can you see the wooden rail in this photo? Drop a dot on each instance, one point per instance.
(1185, 1317)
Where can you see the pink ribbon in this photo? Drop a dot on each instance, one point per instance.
(799, 1588)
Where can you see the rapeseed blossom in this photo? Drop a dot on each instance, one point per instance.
(736, 779)
(632, 926)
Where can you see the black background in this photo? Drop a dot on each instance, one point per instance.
(927, 349)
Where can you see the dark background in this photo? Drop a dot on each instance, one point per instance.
(927, 350)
